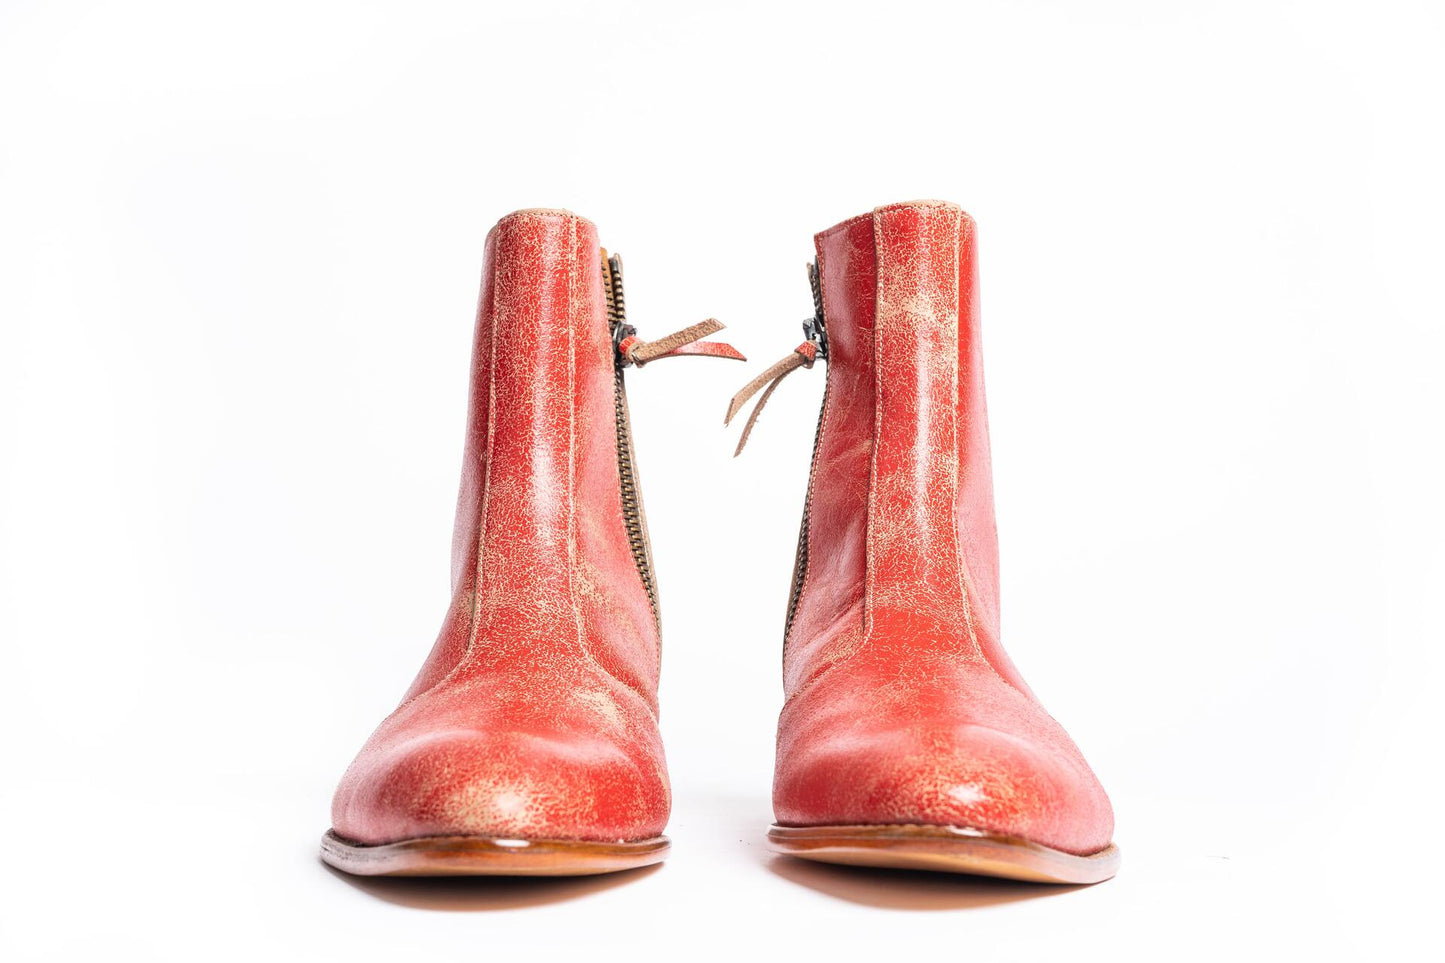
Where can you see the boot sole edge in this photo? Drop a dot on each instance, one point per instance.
(490, 856)
(943, 849)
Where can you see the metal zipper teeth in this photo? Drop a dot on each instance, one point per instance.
(626, 466)
(818, 333)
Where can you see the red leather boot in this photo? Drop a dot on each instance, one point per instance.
(529, 744)
(908, 739)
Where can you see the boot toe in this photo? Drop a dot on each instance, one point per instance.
(1025, 779)
(505, 786)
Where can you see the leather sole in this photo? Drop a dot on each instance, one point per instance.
(943, 849)
(490, 856)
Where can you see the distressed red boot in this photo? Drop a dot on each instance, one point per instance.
(908, 739)
(528, 744)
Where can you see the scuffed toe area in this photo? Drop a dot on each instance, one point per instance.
(454, 763)
(509, 786)
(995, 761)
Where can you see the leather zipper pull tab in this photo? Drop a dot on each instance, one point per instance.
(802, 356)
(815, 331)
(632, 350)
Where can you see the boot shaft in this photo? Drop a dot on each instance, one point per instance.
(899, 531)
(545, 564)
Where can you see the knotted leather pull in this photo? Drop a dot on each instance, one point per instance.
(685, 343)
(803, 356)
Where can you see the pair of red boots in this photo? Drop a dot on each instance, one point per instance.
(529, 742)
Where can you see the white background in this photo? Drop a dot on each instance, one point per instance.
(239, 250)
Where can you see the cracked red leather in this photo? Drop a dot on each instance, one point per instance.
(535, 715)
(902, 706)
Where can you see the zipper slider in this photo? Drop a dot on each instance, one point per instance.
(817, 335)
(814, 329)
(630, 350)
(620, 333)
(616, 305)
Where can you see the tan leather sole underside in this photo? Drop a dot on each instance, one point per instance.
(943, 849)
(488, 856)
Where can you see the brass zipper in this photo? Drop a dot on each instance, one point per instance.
(816, 331)
(632, 514)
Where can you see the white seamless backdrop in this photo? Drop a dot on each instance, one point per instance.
(239, 250)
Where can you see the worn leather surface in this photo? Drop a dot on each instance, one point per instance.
(535, 715)
(902, 706)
